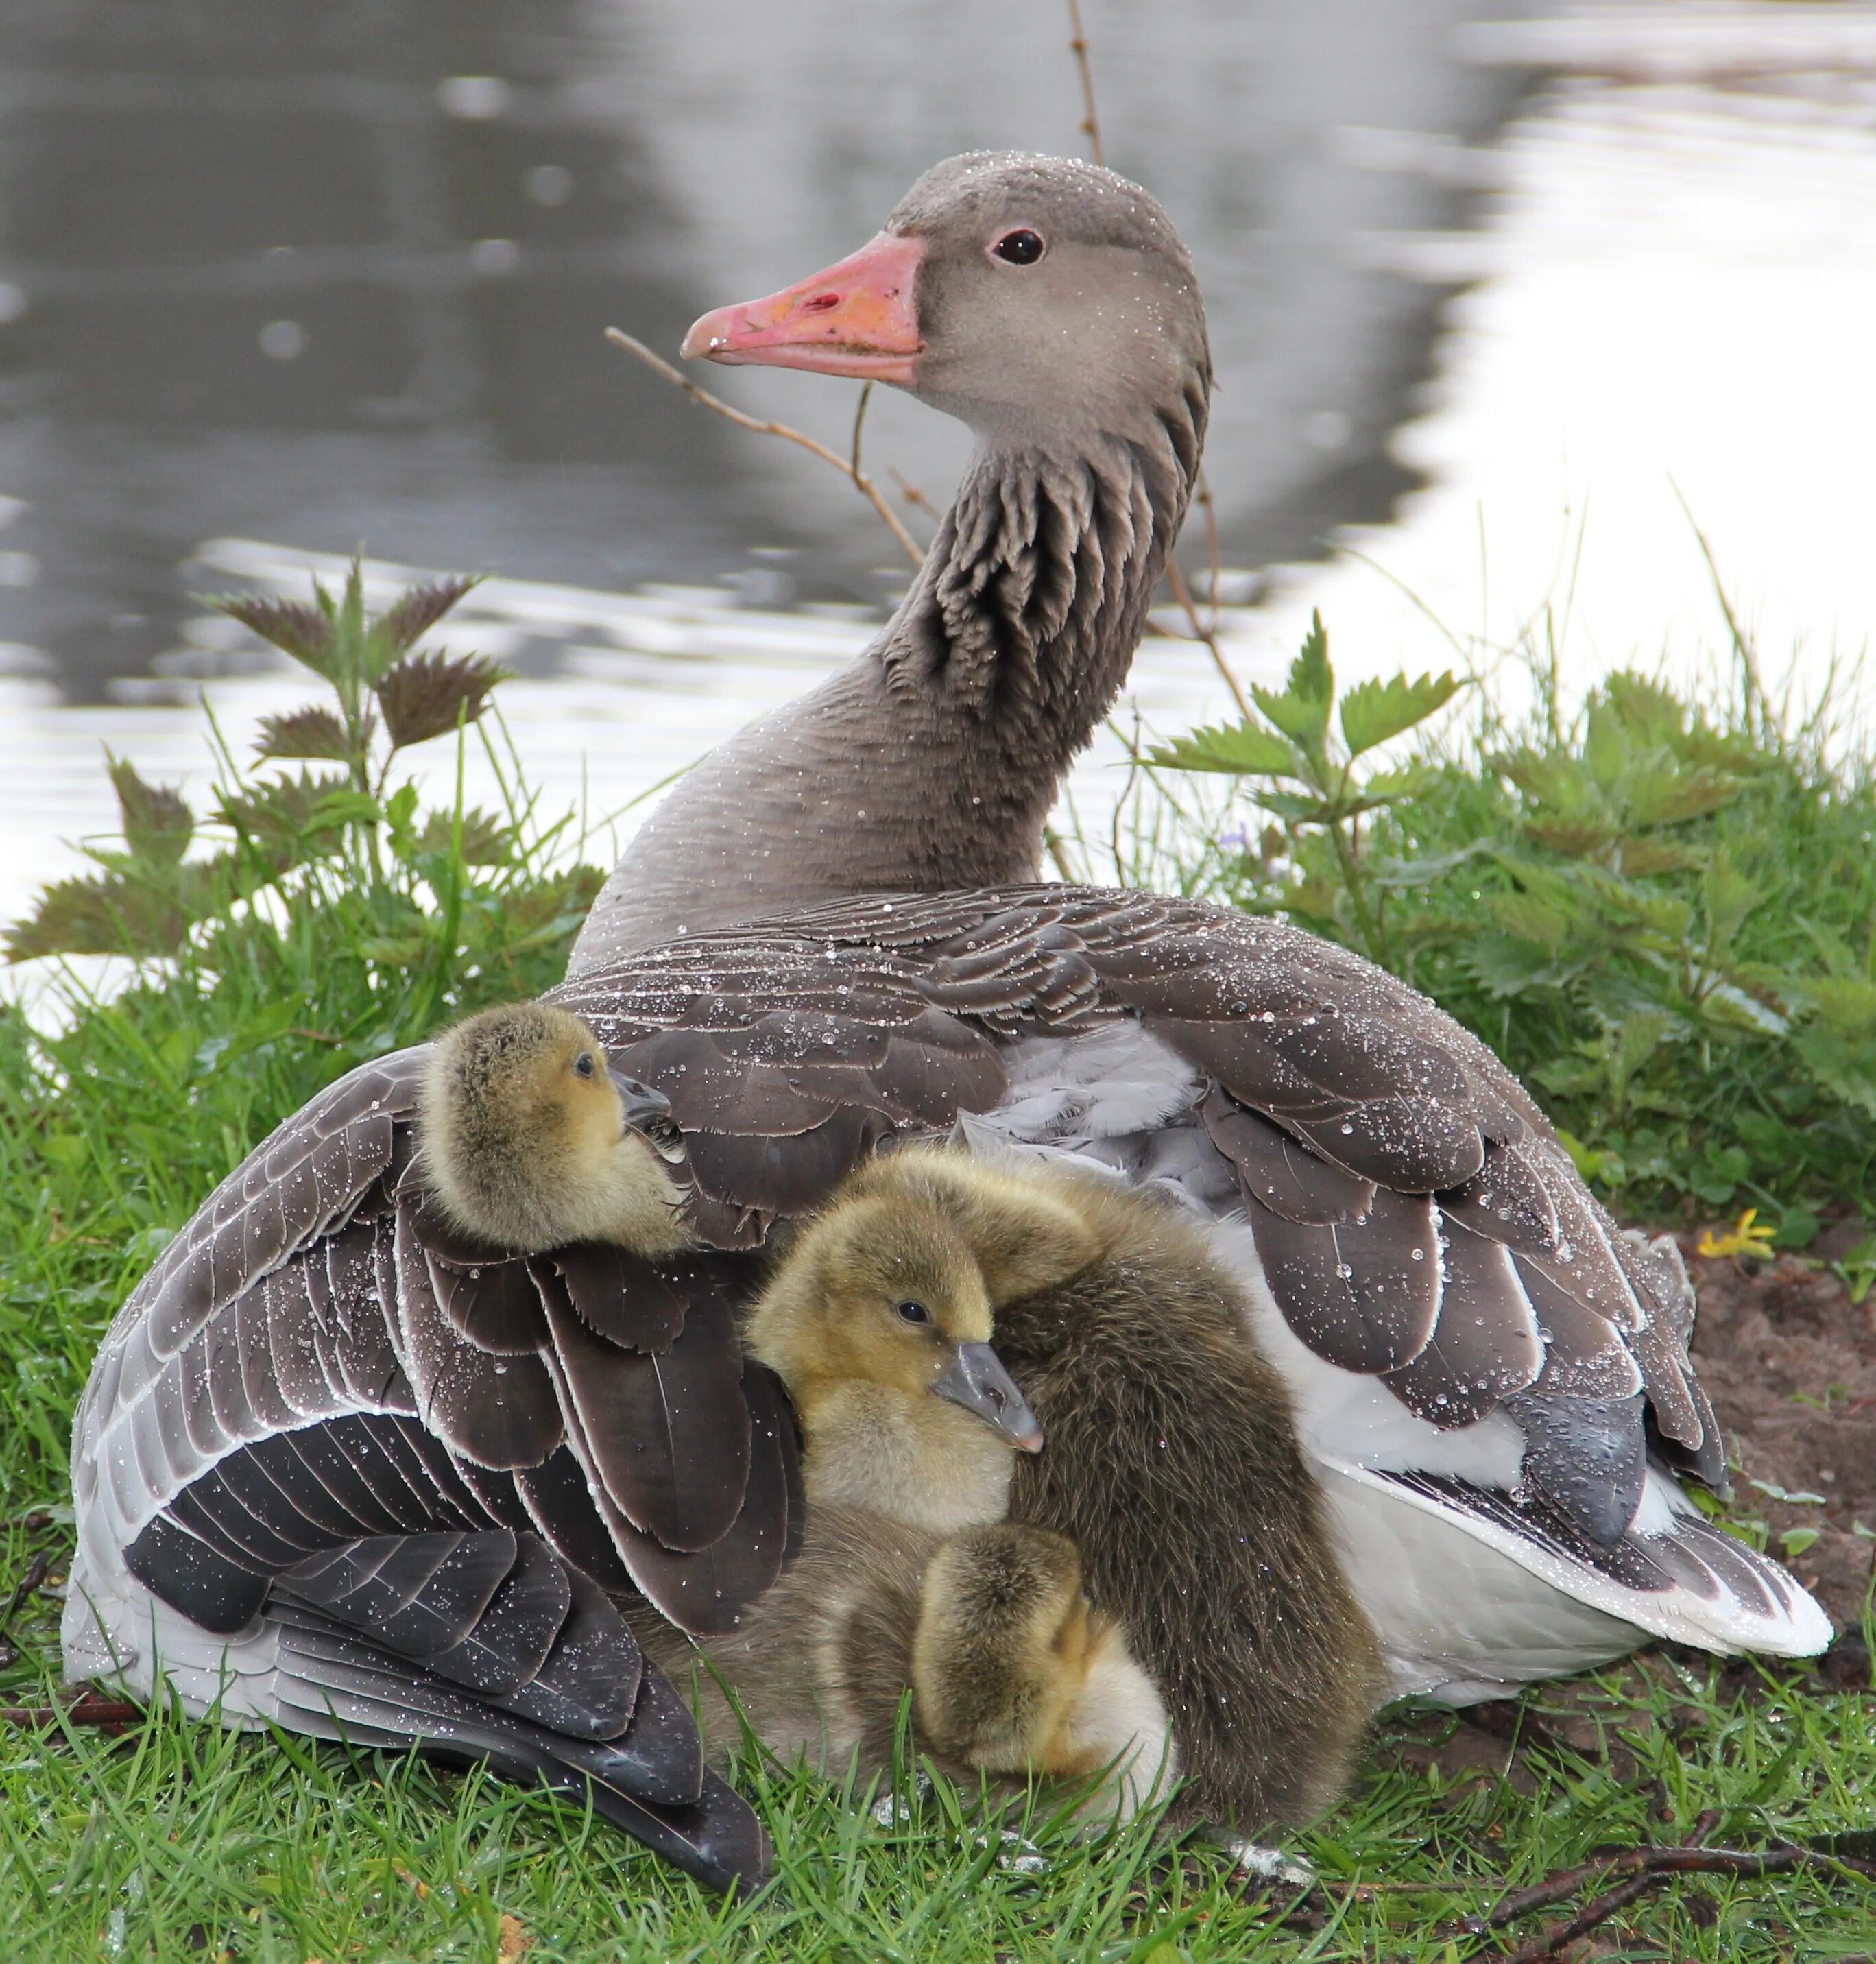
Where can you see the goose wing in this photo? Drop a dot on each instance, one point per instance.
(1418, 1221)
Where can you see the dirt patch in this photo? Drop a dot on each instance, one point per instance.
(1790, 1363)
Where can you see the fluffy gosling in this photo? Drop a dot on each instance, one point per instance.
(1172, 1464)
(529, 1140)
(878, 1319)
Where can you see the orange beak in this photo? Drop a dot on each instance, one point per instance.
(859, 318)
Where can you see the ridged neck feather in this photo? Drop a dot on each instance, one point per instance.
(932, 762)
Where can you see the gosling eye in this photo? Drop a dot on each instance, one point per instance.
(583, 1065)
(913, 1312)
(1022, 247)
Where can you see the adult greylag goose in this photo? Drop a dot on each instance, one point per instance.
(1492, 1382)
(342, 1466)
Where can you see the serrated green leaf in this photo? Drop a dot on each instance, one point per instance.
(1667, 794)
(1311, 678)
(158, 823)
(1374, 711)
(1296, 807)
(1239, 749)
(1300, 710)
(1529, 918)
(487, 840)
(1846, 1004)
(415, 611)
(428, 695)
(311, 733)
(1845, 1069)
(304, 633)
(103, 915)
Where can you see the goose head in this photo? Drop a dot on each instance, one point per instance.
(529, 1140)
(1032, 297)
(878, 1322)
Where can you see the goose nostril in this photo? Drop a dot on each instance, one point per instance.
(820, 303)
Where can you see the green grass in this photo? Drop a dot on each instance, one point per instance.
(1661, 912)
(335, 924)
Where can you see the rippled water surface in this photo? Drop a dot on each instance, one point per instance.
(1497, 302)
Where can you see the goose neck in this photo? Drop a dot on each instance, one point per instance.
(932, 762)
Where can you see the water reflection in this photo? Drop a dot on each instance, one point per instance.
(321, 275)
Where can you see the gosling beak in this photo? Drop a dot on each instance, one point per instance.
(649, 1112)
(857, 317)
(975, 1379)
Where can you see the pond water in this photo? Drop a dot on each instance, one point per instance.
(278, 281)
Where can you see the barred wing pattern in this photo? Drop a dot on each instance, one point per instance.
(325, 1425)
(355, 1474)
(1461, 1322)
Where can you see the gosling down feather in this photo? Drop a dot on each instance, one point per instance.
(831, 932)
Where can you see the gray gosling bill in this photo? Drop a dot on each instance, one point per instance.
(1172, 1466)
(878, 1320)
(528, 1141)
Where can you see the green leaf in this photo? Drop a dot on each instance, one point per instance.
(158, 823)
(1530, 919)
(1297, 807)
(1301, 710)
(414, 612)
(1240, 750)
(1374, 711)
(304, 633)
(1793, 1542)
(1670, 796)
(305, 733)
(1593, 1162)
(109, 914)
(427, 695)
(487, 840)
(1845, 1069)
(1846, 1004)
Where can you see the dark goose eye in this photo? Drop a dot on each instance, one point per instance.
(913, 1312)
(1020, 247)
(583, 1065)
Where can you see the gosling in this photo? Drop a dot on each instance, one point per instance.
(877, 1321)
(1172, 1464)
(528, 1140)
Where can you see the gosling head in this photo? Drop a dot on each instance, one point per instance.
(529, 1140)
(878, 1321)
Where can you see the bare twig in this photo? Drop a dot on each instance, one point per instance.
(1183, 593)
(1590, 1917)
(764, 427)
(28, 1584)
(1058, 853)
(910, 494)
(1078, 46)
(1202, 492)
(859, 420)
(1646, 1868)
(110, 1714)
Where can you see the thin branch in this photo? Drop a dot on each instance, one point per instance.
(1175, 578)
(910, 494)
(859, 420)
(764, 427)
(1646, 1868)
(1202, 492)
(1591, 1916)
(1078, 46)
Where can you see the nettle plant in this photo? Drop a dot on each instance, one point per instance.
(1322, 867)
(330, 852)
(1665, 922)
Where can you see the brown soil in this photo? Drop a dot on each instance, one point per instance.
(1790, 1363)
